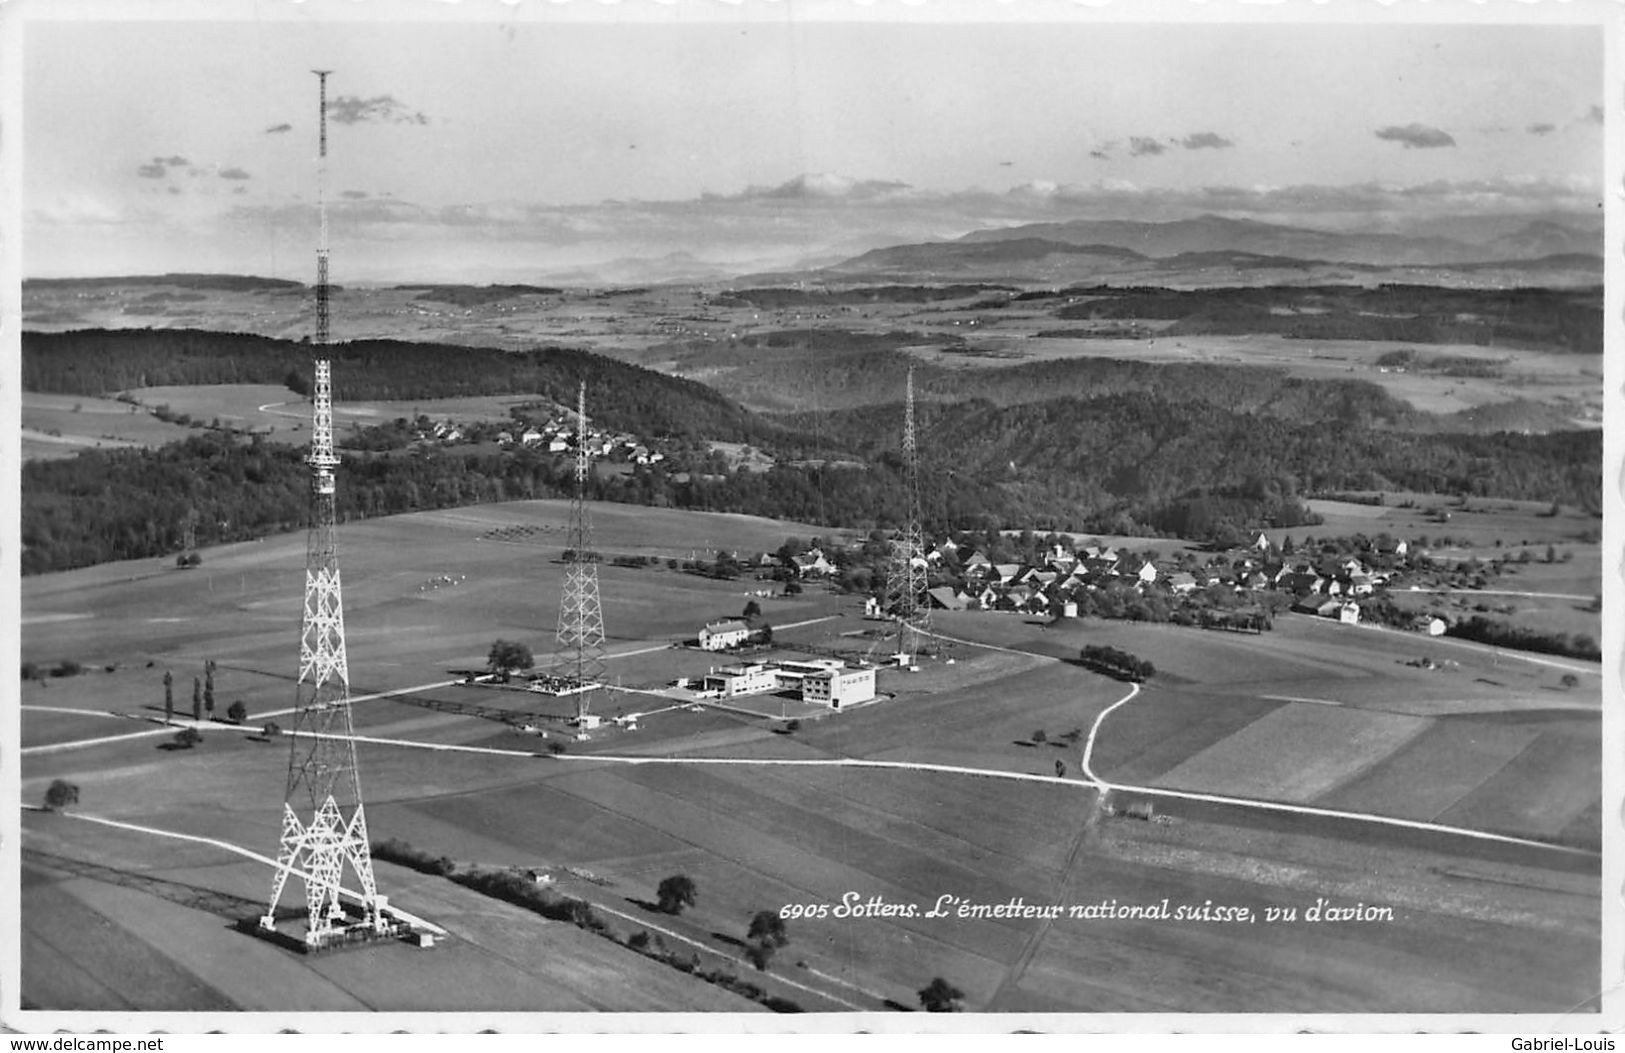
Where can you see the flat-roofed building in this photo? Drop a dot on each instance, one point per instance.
(791, 673)
(839, 687)
(733, 680)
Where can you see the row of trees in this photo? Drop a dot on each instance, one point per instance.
(1116, 663)
(202, 697)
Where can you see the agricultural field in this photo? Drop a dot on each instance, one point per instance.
(272, 410)
(943, 788)
(63, 425)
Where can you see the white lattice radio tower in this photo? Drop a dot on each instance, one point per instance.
(578, 663)
(324, 826)
(906, 601)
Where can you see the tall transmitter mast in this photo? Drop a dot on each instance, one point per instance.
(578, 664)
(905, 570)
(322, 782)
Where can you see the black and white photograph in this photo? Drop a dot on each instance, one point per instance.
(579, 517)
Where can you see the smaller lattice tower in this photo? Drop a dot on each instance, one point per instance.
(578, 664)
(323, 786)
(906, 601)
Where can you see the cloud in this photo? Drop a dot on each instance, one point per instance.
(1542, 128)
(1416, 136)
(823, 186)
(1595, 115)
(278, 129)
(1139, 145)
(1205, 141)
(354, 195)
(234, 173)
(159, 167)
(1100, 155)
(380, 109)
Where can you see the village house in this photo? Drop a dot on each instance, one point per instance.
(716, 636)
(811, 562)
(976, 565)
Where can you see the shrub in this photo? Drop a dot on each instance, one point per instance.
(237, 712)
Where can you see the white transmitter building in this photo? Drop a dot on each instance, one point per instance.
(821, 681)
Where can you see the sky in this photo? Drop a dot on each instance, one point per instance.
(758, 136)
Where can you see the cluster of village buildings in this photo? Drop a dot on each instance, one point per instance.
(1056, 583)
(555, 436)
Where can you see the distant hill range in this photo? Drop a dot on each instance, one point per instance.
(1121, 249)
(210, 282)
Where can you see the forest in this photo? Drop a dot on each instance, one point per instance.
(620, 396)
(1193, 451)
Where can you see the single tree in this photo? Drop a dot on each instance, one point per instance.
(752, 610)
(766, 935)
(208, 688)
(792, 726)
(197, 699)
(940, 996)
(60, 794)
(186, 738)
(237, 712)
(1570, 680)
(675, 893)
(792, 587)
(1060, 769)
(271, 730)
(507, 656)
(169, 696)
(768, 928)
(1039, 736)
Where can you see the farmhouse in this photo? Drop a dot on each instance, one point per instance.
(812, 562)
(838, 687)
(716, 636)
